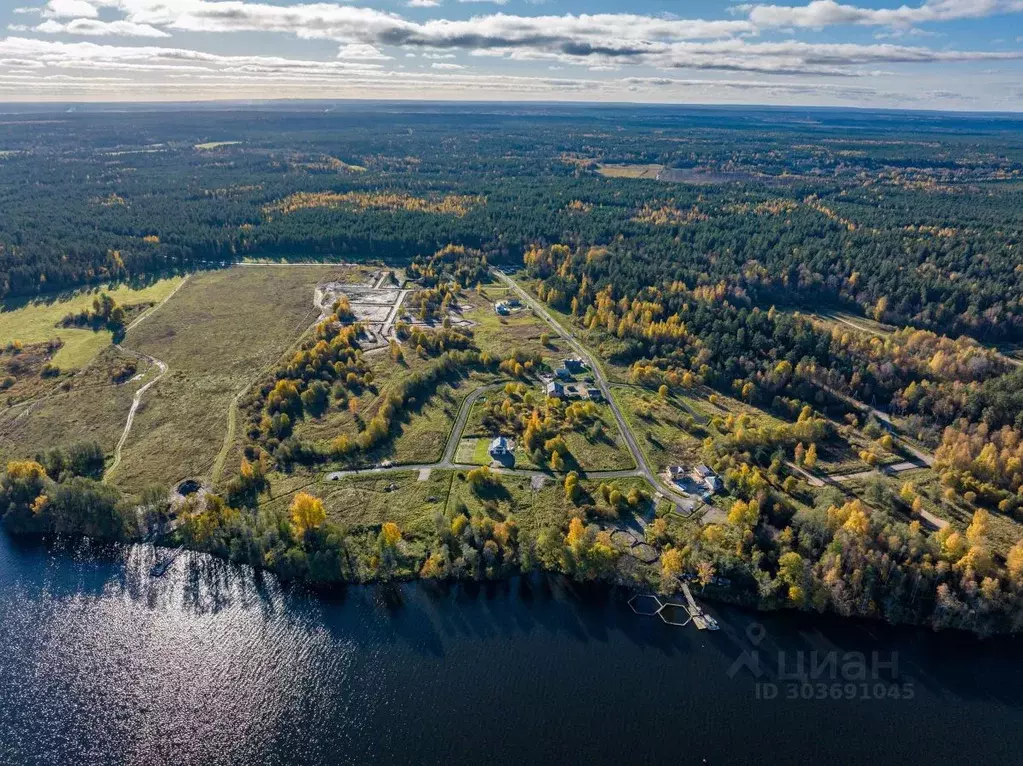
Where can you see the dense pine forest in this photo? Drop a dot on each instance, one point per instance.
(908, 218)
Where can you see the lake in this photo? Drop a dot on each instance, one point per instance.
(214, 664)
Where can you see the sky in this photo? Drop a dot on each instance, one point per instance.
(927, 54)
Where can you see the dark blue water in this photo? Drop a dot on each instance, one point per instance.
(99, 664)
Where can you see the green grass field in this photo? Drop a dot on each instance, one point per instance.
(36, 320)
(370, 500)
(219, 333)
(518, 331)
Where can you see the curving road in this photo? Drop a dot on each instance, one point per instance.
(447, 462)
(137, 399)
(884, 417)
(135, 402)
(605, 389)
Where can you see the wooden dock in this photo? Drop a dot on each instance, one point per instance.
(701, 619)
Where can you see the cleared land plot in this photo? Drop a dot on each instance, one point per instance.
(420, 432)
(220, 332)
(841, 455)
(520, 330)
(659, 425)
(845, 320)
(424, 436)
(36, 320)
(472, 451)
(535, 509)
(398, 497)
(364, 503)
(630, 171)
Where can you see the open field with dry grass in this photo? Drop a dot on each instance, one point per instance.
(630, 171)
(219, 333)
(90, 406)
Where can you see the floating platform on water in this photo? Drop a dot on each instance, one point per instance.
(651, 606)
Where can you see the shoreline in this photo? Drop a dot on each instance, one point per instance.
(328, 591)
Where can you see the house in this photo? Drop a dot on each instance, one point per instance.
(702, 471)
(593, 394)
(713, 484)
(499, 447)
(700, 479)
(704, 475)
(563, 372)
(574, 365)
(555, 389)
(504, 308)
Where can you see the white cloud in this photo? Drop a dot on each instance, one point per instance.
(600, 42)
(610, 39)
(362, 51)
(70, 9)
(493, 2)
(900, 33)
(25, 9)
(95, 28)
(825, 13)
(87, 55)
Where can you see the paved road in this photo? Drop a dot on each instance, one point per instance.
(463, 416)
(447, 462)
(605, 388)
(392, 315)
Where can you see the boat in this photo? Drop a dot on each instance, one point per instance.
(159, 569)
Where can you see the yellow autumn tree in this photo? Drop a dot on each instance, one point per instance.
(1014, 563)
(672, 562)
(390, 534)
(307, 512)
(978, 529)
(810, 458)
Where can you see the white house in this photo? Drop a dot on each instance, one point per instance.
(500, 447)
(555, 389)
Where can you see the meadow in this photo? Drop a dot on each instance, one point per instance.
(37, 320)
(218, 334)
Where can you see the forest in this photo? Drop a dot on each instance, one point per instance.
(912, 221)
